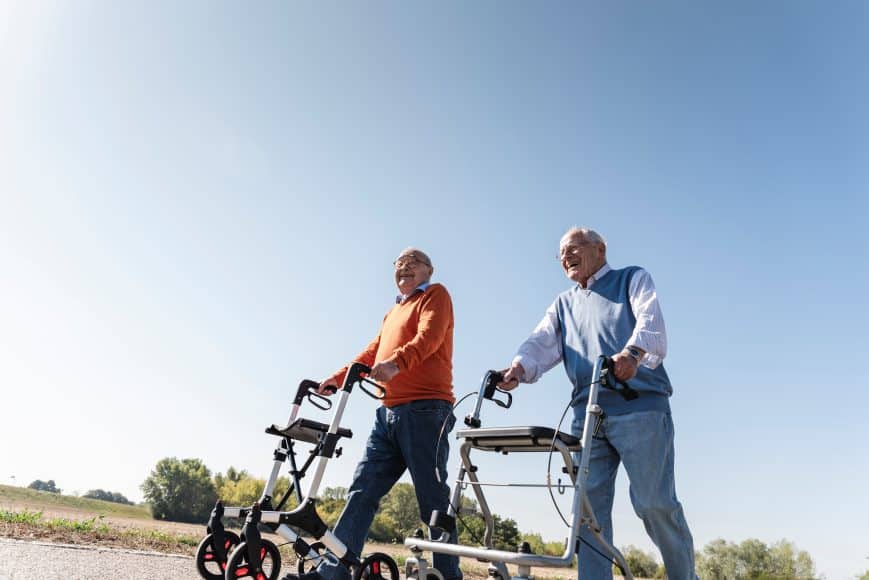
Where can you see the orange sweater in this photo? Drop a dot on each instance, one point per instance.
(417, 335)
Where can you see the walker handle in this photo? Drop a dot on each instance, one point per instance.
(611, 382)
(491, 387)
(308, 388)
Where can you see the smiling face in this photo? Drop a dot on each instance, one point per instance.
(581, 258)
(412, 268)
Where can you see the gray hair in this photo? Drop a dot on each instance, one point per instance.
(418, 254)
(587, 233)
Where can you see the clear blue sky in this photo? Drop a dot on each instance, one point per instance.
(201, 202)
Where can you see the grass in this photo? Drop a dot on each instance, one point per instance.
(11, 495)
(32, 525)
(22, 517)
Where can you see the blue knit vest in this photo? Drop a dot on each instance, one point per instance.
(597, 321)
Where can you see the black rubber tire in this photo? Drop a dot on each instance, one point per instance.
(206, 564)
(271, 559)
(372, 568)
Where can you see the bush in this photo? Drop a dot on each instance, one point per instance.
(107, 496)
(642, 564)
(48, 486)
(180, 490)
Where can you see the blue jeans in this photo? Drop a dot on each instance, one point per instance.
(643, 442)
(403, 437)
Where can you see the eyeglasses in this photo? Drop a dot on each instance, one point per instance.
(409, 260)
(572, 249)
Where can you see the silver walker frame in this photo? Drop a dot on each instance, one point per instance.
(520, 439)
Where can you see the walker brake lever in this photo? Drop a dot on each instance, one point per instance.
(321, 401)
(382, 390)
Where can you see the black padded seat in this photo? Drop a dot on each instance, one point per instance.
(306, 430)
(516, 438)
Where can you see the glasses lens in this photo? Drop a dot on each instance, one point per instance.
(403, 261)
(571, 249)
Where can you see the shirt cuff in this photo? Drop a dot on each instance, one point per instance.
(529, 366)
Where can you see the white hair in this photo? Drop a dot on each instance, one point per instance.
(588, 234)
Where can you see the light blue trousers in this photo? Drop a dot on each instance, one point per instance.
(643, 443)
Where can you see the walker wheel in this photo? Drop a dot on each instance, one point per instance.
(377, 566)
(306, 564)
(270, 563)
(207, 562)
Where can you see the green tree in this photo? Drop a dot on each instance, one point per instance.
(539, 546)
(401, 508)
(233, 475)
(642, 564)
(753, 559)
(865, 575)
(243, 492)
(180, 490)
(331, 504)
(48, 486)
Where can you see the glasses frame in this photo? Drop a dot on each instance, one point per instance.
(573, 249)
(409, 260)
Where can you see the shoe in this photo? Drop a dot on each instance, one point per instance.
(312, 575)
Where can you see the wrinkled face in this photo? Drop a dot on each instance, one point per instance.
(411, 270)
(580, 258)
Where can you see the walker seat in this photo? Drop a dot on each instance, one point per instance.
(517, 439)
(306, 430)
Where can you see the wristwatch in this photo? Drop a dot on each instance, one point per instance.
(635, 354)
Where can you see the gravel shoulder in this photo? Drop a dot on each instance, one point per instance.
(21, 560)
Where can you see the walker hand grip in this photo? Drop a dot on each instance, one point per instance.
(354, 375)
(610, 382)
(491, 387)
(305, 387)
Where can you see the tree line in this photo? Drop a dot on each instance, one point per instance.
(51, 487)
(185, 490)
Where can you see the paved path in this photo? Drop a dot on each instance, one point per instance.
(21, 560)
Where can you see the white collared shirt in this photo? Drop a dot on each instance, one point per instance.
(542, 350)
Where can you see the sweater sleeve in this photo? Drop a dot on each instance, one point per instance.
(435, 319)
(366, 357)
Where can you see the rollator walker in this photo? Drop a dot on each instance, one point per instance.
(521, 440)
(223, 554)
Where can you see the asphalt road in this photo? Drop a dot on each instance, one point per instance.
(21, 560)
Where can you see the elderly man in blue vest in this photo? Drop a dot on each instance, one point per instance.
(614, 313)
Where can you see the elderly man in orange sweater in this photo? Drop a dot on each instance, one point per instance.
(412, 356)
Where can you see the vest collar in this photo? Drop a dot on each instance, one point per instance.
(596, 276)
